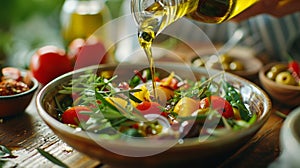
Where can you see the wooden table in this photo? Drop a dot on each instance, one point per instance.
(24, 133)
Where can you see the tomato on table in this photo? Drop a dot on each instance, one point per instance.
(84, 53)
(73, 115)
(49, 62)
(218, 103)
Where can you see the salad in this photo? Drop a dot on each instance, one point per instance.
(104, 105)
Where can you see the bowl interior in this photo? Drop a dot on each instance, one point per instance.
(254, 97)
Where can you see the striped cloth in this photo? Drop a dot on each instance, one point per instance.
(265, 33)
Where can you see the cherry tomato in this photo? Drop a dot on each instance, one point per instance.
(73, 115)
(173, 83)
(149, 108)
(218, 103)
(49, 62)
(84, 53)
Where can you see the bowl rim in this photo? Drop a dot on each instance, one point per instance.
(289, 125)
(190, 141)
(33, 88)
(264, 79)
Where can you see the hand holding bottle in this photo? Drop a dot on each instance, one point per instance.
(277, 8)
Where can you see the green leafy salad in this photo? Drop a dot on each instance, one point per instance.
(103, 105)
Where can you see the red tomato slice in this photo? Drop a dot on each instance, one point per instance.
(149, 108)
(218, 103)
(49, 62)
(73, 115)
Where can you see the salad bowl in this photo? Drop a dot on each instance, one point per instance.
(153, 152)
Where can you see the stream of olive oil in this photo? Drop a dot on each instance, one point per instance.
(146, 40)
(151, 26)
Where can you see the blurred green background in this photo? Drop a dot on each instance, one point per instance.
(29, 24)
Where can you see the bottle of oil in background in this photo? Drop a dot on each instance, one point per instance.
(81, 18)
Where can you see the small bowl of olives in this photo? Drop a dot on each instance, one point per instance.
(237, 62)
(280, 84)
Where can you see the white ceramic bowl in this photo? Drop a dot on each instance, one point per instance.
(289, 142)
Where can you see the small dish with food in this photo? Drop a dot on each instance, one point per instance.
(281, 83)
(240, 61)
(17, 89)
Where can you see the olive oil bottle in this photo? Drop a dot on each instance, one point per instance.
(81, 18)
(153, 16)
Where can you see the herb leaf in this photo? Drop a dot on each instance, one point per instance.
(51, 158)
(4, 151)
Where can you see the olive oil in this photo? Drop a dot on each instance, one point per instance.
(81, 18)
(150, 26)
(146, 40)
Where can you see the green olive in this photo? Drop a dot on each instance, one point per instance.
(271, 75)
(278, 68)
(225, 66)
(285, 78)
(275, 70)
(198, 62)
(236, 66)
(225, 58)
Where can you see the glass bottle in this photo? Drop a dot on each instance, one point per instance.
(81, 18)
(153, 16)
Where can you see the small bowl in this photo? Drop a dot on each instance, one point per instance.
(12, 105)
(285, 94)
(182, 153)
(246, 56)
(289, 141)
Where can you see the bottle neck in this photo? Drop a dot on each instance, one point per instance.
(157, 15)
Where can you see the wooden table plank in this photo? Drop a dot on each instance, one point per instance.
(23, 134)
